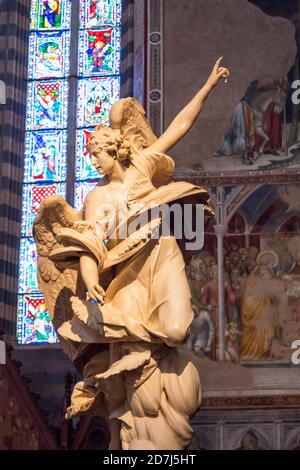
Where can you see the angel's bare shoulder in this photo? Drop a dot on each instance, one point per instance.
(99, 188)
(95, 199)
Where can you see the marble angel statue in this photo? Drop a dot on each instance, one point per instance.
(121, 306)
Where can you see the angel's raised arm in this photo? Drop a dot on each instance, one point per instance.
(186, 118)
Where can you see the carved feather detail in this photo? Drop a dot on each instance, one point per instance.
(135, 127)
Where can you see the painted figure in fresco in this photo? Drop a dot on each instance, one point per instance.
(203, 279)
(195, 282)
(232, 333)
(210, 301)
(260, 312)
(239, 264)
(50, 11)
(268, 103)
(199, 270)
(121, 304)
(202, 332)
(256, 124)
(238, 139)
(211, 294)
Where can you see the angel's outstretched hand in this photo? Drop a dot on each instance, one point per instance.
(218, 73)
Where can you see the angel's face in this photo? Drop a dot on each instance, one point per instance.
(103, 162)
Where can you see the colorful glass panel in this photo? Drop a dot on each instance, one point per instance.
(99, 51)
(95, 98)
(84, 169)
(95, 13)
(45, 156)
(49, 54)
(50, 14)
(81, 191)
(47, 104)
(46, 146)
(28, 267)
(34, 321)
(33, 196)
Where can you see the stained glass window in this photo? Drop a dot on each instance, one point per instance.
(99, 84)
(50, 14)
(33, 196)
(84, 169)
(45, 156)
(34, 321)
(60, 60)
(50, 57)
(95, 96)
(47, 104)
(95, 13)
(99, 51)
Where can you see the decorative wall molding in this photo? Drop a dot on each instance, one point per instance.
(246, 429)
(254, 402)
(207, 179)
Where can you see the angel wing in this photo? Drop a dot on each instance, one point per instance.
(61, 238)
(59, 284)
(135, 126)
(128, 116)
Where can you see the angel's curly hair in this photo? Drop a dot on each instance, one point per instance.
(104, 138)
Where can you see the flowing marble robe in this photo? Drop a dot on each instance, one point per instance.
(145, 384)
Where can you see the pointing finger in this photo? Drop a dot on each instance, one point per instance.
(218, 62)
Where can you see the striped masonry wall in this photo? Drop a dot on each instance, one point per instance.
(14, 26)
(127, 48)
